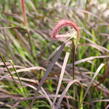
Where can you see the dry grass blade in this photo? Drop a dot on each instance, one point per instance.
(107, 107)
(61, 75)
(4, 104)
(30, 69)
(98, 47)
(2, 64)
(27, 80)
(96, 73)
(24, 70)
(90, 13)
(60, 66)
(48, 98)
(90, 58)
(101, 100)
(42, 96)
(65, 91)
(50, 66)
(93, 44)
(105, 34)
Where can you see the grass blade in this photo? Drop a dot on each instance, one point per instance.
(61, 75)
(96, 73)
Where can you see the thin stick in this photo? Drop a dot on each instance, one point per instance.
(73, 58)
(61, 75)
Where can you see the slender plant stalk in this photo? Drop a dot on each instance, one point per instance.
(81, 98)
(24, 12)
(73, 58)
(16, 73)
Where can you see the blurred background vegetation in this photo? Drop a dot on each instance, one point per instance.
(25, 48)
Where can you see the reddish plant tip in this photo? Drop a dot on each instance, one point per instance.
(61, 24)
(24, 11)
